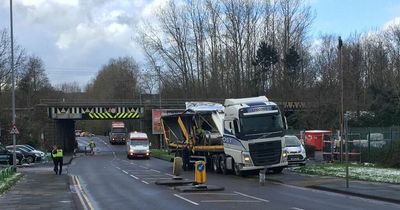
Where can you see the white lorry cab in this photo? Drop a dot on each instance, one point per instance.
(138, 145)
(254, 132)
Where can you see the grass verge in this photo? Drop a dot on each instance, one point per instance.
(7, 183)
(358, 172)
(161, 154)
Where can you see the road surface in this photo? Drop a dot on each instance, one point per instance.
(110, 181)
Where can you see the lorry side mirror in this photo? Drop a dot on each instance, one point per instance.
(285, 125)
(150, 144)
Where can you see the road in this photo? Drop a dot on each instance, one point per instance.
(110, 181)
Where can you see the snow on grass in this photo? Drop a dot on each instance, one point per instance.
(366, 173)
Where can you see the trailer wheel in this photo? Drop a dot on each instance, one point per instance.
(215, 164)
(222, 164)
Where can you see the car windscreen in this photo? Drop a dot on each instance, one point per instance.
(22, 149)
(30, 147)
(292, 141)
(25, 148)
(141, 142)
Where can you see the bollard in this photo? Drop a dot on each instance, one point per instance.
(262, 176)
(200, 172)
(177, 166)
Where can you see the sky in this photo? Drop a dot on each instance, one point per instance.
(75, 38)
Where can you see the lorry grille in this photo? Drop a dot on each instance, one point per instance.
(265, 153)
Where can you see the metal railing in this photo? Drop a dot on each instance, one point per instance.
(6, 173)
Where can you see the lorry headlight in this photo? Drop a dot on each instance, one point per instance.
(131, 150)
(247, 159)
(147, 151)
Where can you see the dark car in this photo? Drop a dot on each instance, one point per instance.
(30, 157)
(6, 156)
(39, 154)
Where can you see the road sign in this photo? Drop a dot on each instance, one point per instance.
(14, 130)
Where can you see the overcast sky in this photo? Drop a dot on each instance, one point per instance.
(76, 37)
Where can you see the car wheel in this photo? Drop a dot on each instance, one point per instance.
(19, 161)
(29, 159)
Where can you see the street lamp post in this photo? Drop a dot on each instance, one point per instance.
(13, 85)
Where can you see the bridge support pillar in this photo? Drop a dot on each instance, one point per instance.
(65, 134)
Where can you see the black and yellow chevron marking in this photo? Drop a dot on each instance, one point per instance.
(107, 115)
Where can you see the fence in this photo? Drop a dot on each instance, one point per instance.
(373, 145)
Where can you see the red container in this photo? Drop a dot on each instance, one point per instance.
(316, 138)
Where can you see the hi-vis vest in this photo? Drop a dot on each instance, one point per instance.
(59, 153)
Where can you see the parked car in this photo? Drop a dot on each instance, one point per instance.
(6, 156)
(30, 157)
(32, 149)
(295, 150)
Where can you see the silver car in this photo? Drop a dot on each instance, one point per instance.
(295, 150)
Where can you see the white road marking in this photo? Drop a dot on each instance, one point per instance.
(83, 194)
(145, 182)
(169, 174)
(143, 167)
(206, 193)
(155, 171)
(125, 171)
(134, 177)
(155, 178)
(133, 163)
(185, 199)
(230, 201)
(249, 196)
(118, 168)
(295, 208)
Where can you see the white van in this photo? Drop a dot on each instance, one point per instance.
(138, 145)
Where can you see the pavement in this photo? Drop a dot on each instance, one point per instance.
(40, 188)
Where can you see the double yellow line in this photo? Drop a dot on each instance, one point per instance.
(81, 194)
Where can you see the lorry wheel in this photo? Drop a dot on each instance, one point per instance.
(215, 164)
(222, 164)
(237, 170)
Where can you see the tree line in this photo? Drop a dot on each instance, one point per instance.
(239, 48)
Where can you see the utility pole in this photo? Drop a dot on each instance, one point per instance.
(346, 125)
(340, 44)
(159, 98)
(13, 86)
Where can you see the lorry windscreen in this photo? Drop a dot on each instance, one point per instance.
(253, 126)
(118, 130)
